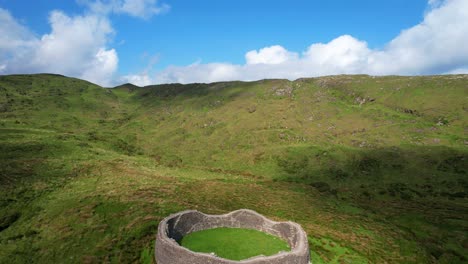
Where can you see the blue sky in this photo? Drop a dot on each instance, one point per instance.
(149, 41)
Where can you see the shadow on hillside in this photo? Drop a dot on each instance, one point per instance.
(20, 161)
(220, 92)
(30, 166)
(421, 190)
(187, 90)
(417, 166)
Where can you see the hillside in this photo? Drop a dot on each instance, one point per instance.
(373, 168)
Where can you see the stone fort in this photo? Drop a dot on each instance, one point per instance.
(174, 227)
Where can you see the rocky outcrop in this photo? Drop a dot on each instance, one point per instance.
(174, 227)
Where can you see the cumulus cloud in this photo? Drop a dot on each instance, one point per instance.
(76, 46)
(458, 71)
(211, 72)
(14, 37)
(344, 54)
(434, 46)
(138, 8)
(270, 55)
(79, 46)
(143, 8)
(435, 3)
(102, 67)
(141, 79)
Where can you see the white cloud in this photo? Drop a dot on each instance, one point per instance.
(343, 54)
(458, 71)
(141, 80)
(270, 55)
(435, 3)
(434, 46)
(102, 67)
(212, 72)
(14, 37)
(76, 46)
(137, 8)
(143, 8)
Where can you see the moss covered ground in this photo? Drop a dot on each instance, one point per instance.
(234, 243)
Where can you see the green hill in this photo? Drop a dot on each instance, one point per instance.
(373, 168)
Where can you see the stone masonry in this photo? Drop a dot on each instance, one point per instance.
(174, 227)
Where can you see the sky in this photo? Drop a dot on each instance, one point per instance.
(110, 42)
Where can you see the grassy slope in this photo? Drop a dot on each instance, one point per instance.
(373, 168)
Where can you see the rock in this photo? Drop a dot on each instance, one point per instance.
(321, 186)
(363, 100)
(4, 108)
(283, 90)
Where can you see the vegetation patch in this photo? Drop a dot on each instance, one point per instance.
(234, 243)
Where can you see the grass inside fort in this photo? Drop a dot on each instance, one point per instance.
(234, 243)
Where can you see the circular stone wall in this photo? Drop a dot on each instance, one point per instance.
(173, 228)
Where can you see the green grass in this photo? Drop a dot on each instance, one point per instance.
(87, 173)
(234, 243)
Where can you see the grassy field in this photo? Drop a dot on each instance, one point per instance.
(234, 243)
(374, 169)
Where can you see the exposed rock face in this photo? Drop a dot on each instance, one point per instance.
(284, 90)
(174, 227)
